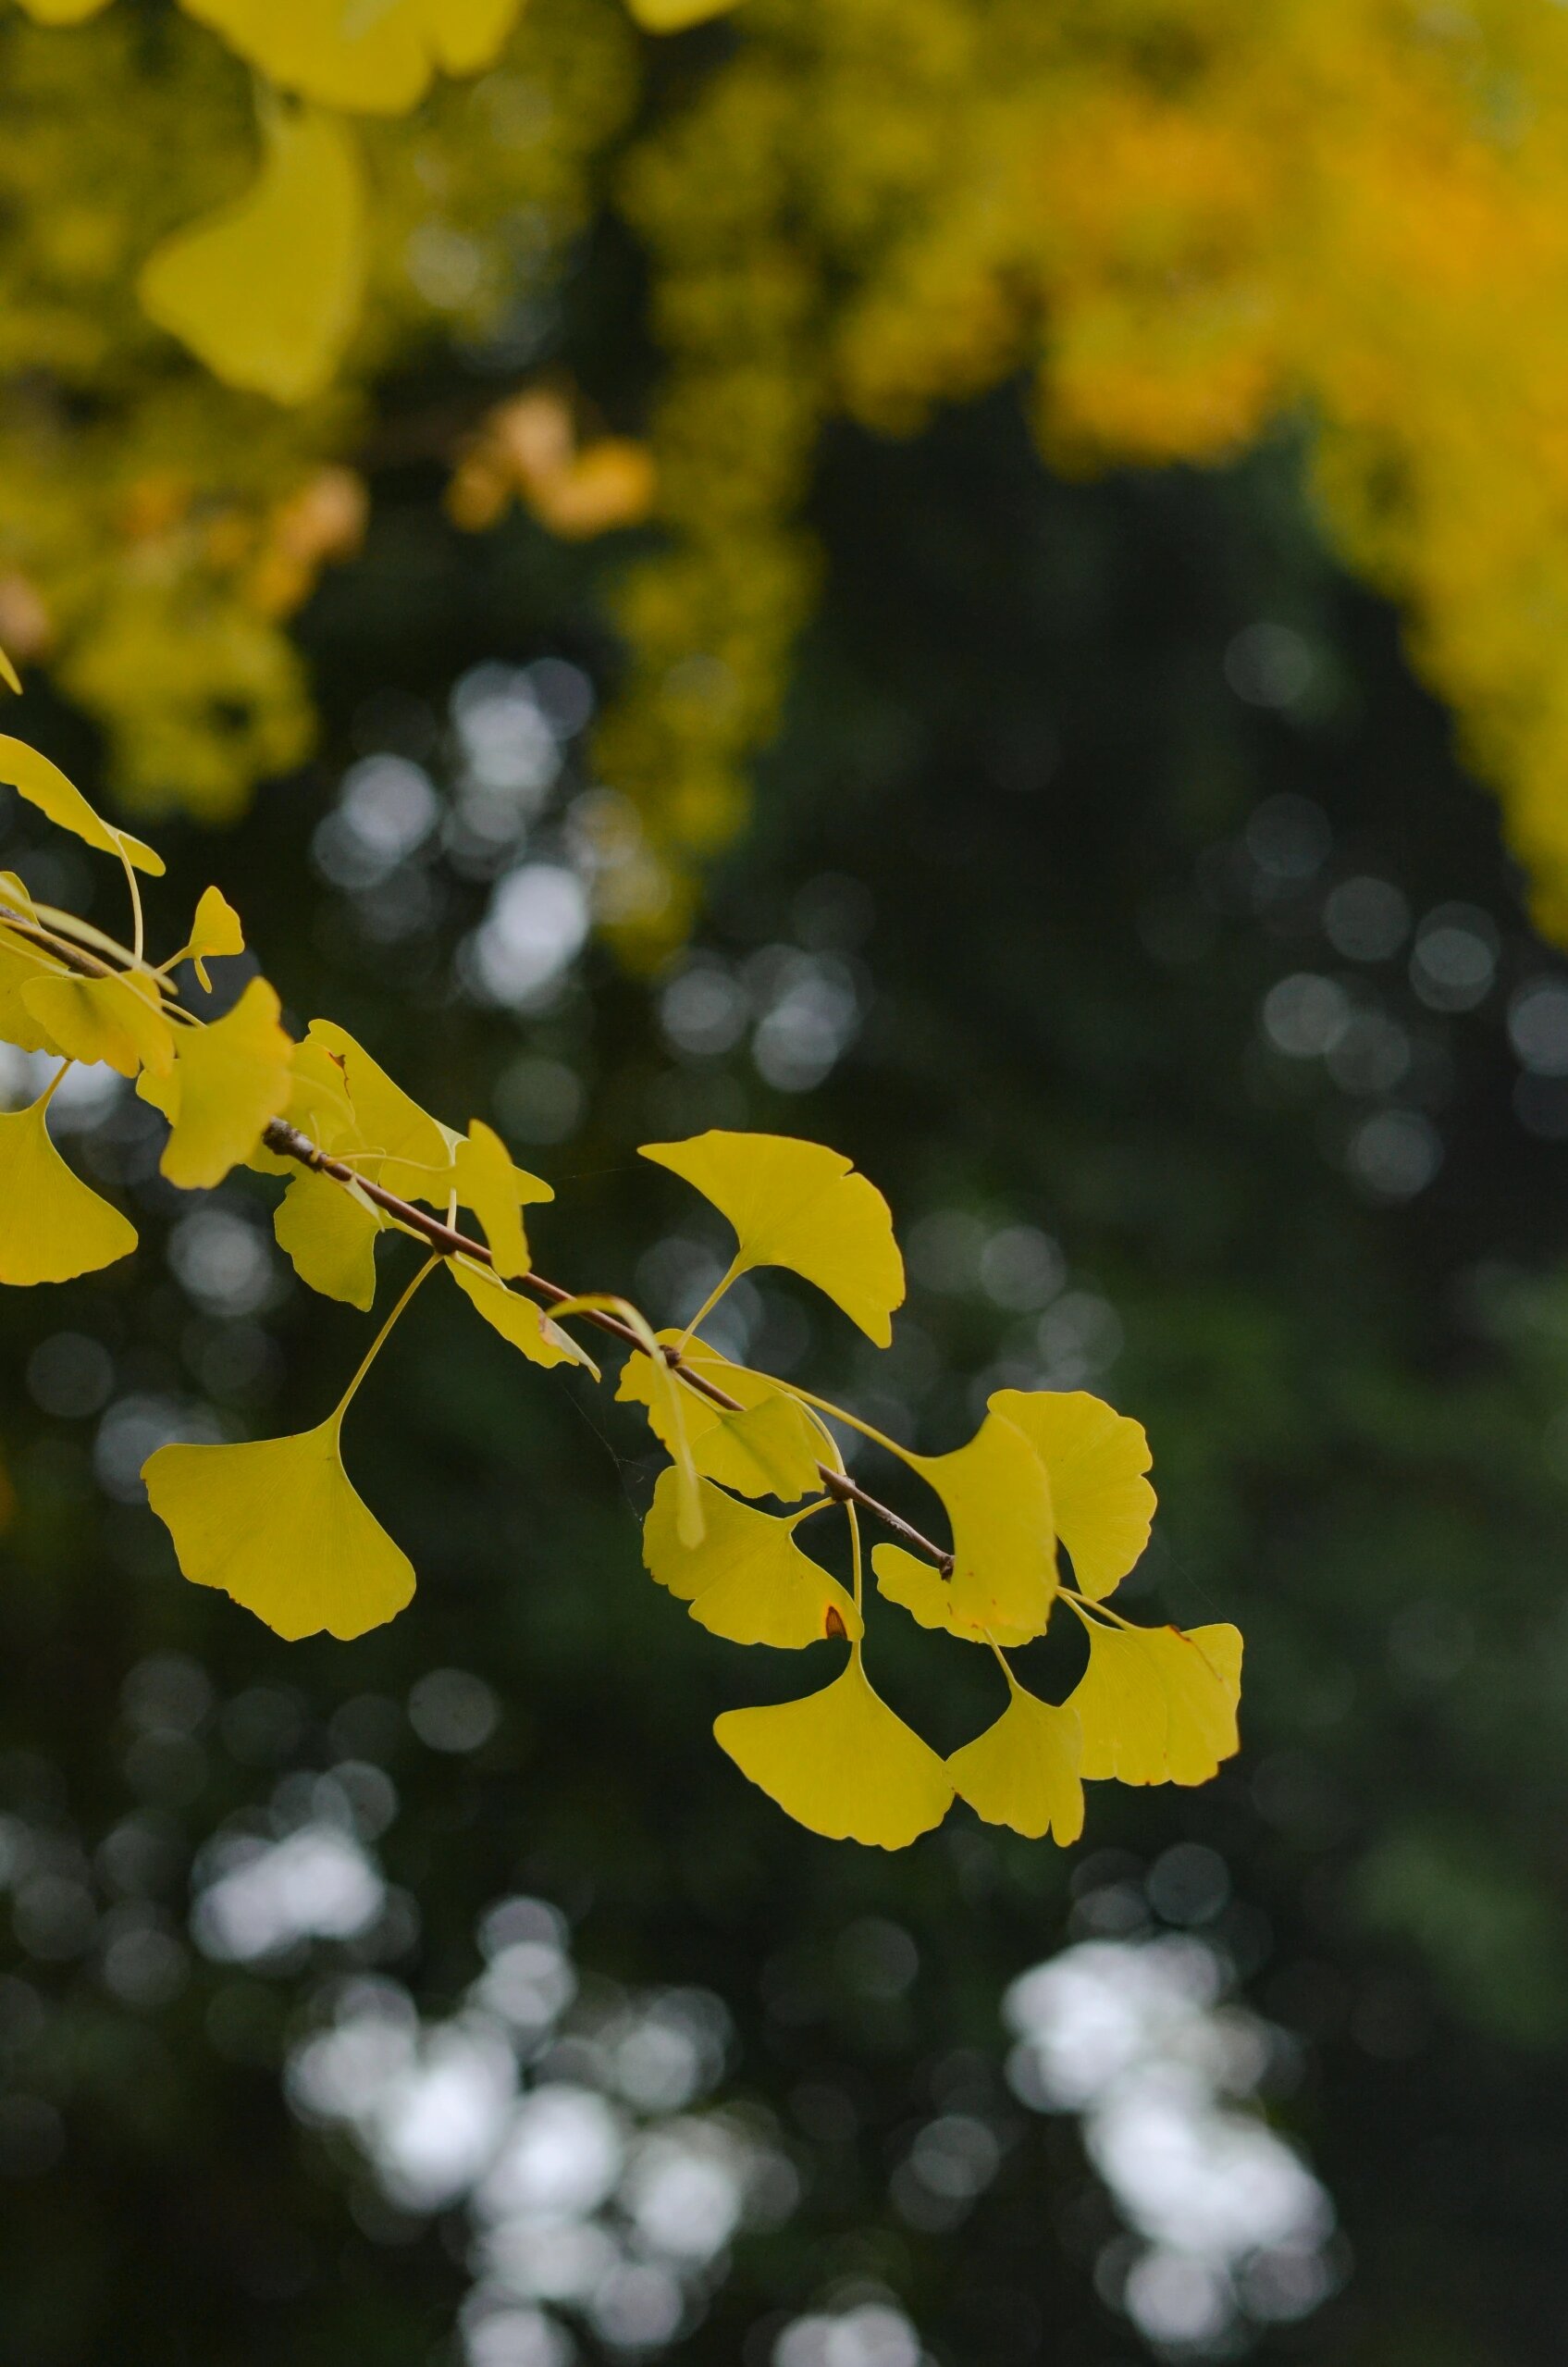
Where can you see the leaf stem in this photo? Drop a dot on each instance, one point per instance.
(374, 1350)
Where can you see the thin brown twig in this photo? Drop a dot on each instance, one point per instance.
(288, 1142)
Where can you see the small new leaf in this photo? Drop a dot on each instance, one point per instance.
(801, 1205)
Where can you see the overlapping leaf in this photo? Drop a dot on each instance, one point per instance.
(748, 1579)
(841, 1763)
(771, 1448)
(522, 1325)
(228, 1079)
(23, 964)
(117, 1019)
(1096, 1460)
(278, 1524)
(51, 1225)
(1158, 1705)
(329, 1232)
(997, 1499)
(801, 1205)
(486, 1180)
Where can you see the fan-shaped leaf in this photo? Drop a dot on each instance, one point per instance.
(841, 1763)
(51, 1225)
(1024, 1770)
(228, 1079)
(276, 1524)
(997, 1499)
(1096, 1460)
(488, 1182)
(1159, 1707)
(801, 1205)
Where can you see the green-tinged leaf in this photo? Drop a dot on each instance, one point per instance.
(1096, 1460)
(230, 1078)
(841, 1763)
(771, 1448)
(524, 1326)
(44, 785)
(1024, 1770)
(327, 1231)
(800, 1206)
(1159, 1707)
(51, 1226)
(748, 1579)
(267, 291)
(657, 16)
(488, 1182)
(8, 674)
(278, 1525)
(119, 1021)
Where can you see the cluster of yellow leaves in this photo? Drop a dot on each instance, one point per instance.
(159, 523)
(278, 1525)
(528, 450)
(1152, 1706)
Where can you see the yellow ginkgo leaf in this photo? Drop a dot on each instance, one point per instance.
(119, 1021)
(216, 930)
(997, 1500)
(8, 674)
(51, 1226)
(518, 1320)
(1156, 1705)
(671, 16)
(802, 1205)
(44, 784)
(488, 1182)
(1096, 1460)
(267, 291)
(841, 1763)
(230, 1078)
(1024, 1770)
(329, 1232)
(276, 1524)
(413, 1152)
(770, 1448)
(22, 965)
(749, 1580)
(376, 58)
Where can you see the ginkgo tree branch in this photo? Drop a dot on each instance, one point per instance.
(289, 1142)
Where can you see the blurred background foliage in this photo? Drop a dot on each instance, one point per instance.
(1110, 890)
